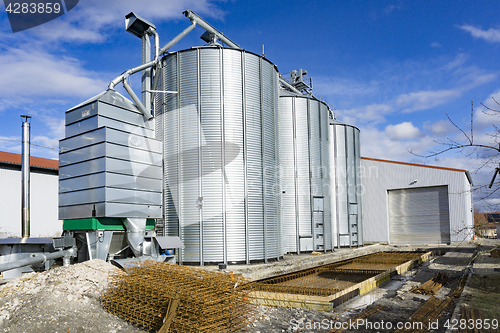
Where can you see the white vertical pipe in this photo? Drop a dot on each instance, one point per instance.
(146, 73)
(25, 181)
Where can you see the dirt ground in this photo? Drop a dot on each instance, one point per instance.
(66, 299)
(397, 299)
(62, 300)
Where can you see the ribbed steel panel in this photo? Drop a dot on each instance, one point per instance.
(102, 194)
(111, 180)
(304, 164)
(359, 186)
(287, 150)
(303, 171)
(89, 124)
(107, 164)
(104, 135)
(188, 157)
(327, 182)
(111, 209)
(271, 201)
(212, 164)
(108, 111)
(253, 125)
(234, 166)
(110, 135)
(110, 150)
(213, 139)
(347, 173)
(170, 126)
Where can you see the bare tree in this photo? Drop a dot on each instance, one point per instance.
(480, 222)
(489, 152)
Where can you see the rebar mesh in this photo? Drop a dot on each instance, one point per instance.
(207, 301)
(331, 278)
(432, 286)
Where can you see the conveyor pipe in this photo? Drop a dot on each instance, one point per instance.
(131, 71)
(35, 259)
(202, 23)
(25, 174)
(178, 38)
(195, 19)
(136, 100)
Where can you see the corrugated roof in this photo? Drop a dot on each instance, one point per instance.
(38, 162)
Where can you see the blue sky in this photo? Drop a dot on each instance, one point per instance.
(392, 68)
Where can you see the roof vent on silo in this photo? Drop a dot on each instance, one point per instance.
(301, 81)
(211, 38)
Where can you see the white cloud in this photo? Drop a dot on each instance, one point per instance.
(490, 204)
(491, 35)
(31, 73)
(484, 117)
(51, 139)
(440, 127)
(403, 131)
(380, 91)
(422, 100)
(379, 144)
(374, 113)
(459, 60)
(92, 20)
(343, 87)
(435, 44)
(10, 143)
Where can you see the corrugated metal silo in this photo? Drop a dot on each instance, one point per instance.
(305, 165)
(220, 151)
(346, 162)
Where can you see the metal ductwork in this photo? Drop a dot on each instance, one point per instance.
(38, 258)
(136, 229)
(143, 29)
(202, 23)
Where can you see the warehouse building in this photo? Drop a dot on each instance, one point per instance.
(44, 189)
(413, 203)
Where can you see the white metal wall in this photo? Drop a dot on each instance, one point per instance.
(44, 202)
(380, 176)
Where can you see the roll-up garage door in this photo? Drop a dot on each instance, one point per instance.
(419, 215)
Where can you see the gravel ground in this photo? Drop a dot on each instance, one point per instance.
(66, 300)
(62, 300)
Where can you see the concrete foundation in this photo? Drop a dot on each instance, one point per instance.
(328, 303)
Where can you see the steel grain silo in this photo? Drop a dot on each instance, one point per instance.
(304, 164)
(220, 154)
(346, 173)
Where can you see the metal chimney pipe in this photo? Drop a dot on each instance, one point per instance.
(25, 181)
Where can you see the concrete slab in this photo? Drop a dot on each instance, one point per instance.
(328, 303)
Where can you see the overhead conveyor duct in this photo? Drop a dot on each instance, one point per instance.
(202, 23)
(142, 28)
